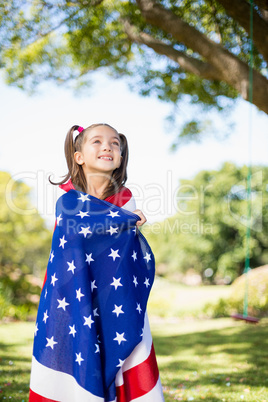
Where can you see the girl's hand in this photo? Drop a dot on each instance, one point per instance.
(140, 214)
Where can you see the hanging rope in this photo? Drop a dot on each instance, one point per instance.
(248, 232)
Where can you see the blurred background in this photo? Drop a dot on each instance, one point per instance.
(186, 82)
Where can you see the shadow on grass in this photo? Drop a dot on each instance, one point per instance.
(235, 356)
(14, 373)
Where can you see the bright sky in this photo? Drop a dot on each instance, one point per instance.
(33, 130)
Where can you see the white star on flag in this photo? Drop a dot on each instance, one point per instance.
(93, 286)
(139, 308)
(135, 281)
(59, 218)
(82, 214)
(116, 283)
(134, 255)
(114, 254)
(85, 231)
(88, 321)
(118, 310)
(79, 294)
(113, 214)
(71, 265)
(146, 283)
(62, 241)
(36, 329)
(83, 197)
(46, 293)
(45, 317)
(147, 257)
(79, 358)
(62, 304)
(51, 256)
(89, 258)
(51, 342)
(95, 313)
(72, 330)
(53, 279)
(121, 362)
(119, 338)
(97, 348)
(112, 230)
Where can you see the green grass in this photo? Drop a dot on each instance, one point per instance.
(15, 360)
(211, 360)
(169, 299)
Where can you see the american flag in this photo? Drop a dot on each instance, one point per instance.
(92, 338)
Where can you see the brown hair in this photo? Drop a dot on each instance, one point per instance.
(75, 171)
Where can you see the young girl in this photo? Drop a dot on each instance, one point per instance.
(92, 337)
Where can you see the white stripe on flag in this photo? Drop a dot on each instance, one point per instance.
(58, 386)
(139, 354)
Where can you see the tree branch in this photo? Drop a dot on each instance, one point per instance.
(240, 11)
(231, 69)
(190, 64)
(166, 20)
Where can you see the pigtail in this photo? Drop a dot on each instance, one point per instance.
(75, 171)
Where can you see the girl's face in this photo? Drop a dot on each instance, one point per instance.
(101, 151)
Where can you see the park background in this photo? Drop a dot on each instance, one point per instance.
(213, 357)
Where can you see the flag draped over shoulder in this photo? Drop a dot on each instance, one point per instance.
(92, 311)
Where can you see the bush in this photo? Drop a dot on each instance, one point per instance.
(257, 292)
(20, 311)
(221, 308)
(257, 280)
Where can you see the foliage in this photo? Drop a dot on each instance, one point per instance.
(24, 245)
(257, 280)
(209, 229)
(65, 42)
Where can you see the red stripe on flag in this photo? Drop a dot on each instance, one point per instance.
(139, 380)
(33, 397)
(121, 198)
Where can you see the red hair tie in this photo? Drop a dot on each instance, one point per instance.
(77, 132)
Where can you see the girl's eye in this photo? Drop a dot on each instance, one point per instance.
(96, 141)
(116, 143)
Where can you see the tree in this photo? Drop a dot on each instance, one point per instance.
(209, 229)
(170, 48)
(24, 245)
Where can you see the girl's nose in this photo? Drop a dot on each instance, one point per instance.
(106, 146)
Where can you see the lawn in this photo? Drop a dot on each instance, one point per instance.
(211, 360)
(170, 299)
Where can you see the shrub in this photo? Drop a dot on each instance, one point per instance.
(221, 308)
(256, 281)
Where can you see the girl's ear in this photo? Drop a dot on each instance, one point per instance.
(78, 157)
